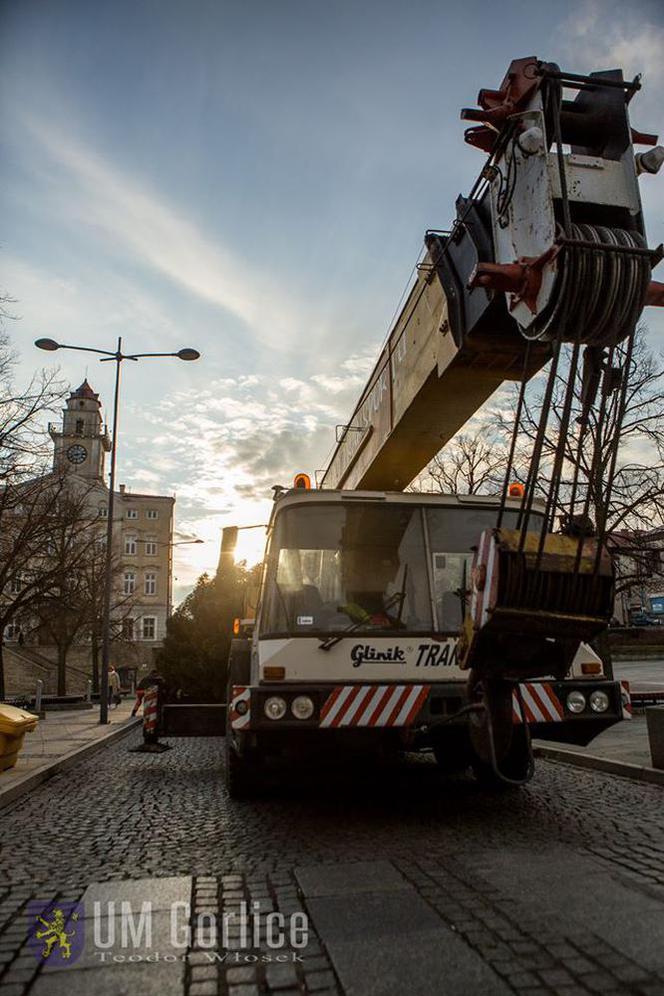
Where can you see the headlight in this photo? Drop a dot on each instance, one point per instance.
(599, 701)
(302, 707)
(576, 701)
(275, 707)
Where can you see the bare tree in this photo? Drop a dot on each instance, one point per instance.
(47, 538)
(122, 605)
(634, 510)
(62, 606)
(473, 463)
(26, 504)
(24, 443)
(632, 514)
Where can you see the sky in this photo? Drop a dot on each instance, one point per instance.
(253, 178)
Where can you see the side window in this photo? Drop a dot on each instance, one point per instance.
(451, 574)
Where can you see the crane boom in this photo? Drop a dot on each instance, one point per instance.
(424, 387)
(549, 243)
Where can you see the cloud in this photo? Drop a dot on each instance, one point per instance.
(629, 39)
(161, 237)
(228, 444)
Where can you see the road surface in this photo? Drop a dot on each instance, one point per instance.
(411, 884)
(646, 675)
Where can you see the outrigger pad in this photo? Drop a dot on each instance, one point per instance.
(150, 748)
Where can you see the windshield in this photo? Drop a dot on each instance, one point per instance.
(371, 568)
(333, 566)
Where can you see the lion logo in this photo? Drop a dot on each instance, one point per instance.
(55, 933)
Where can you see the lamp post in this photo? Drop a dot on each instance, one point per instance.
(108, 356)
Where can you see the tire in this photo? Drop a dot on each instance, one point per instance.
(241, 768)
(452, 752)
(514, 765)
(240, 775)
(239, 662)
(487, 779)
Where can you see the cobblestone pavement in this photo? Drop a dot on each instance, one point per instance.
(554, 889)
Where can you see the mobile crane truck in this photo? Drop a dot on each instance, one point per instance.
(461, 624)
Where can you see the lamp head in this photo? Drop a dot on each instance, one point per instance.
(188, 354)
(49, 344)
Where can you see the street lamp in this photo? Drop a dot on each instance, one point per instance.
(107, 356)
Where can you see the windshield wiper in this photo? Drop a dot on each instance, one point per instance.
(398, 597)
(330, 641)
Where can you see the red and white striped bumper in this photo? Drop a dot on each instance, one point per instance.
(540, 703)
(356, 706)
(626, 700)
(240, 707)
(373, 705)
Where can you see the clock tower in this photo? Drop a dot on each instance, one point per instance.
(82, 441)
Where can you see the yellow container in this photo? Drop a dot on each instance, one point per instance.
(14, 724)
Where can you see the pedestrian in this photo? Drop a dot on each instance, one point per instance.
(114, 697)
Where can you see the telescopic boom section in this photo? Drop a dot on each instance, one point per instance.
(433, 374)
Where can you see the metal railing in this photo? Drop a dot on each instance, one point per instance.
(57, 429)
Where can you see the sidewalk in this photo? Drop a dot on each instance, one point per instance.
(626, 741)
(56, 738)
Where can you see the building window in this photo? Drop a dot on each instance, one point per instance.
(80, 426)
(129, 583)
(132, 513)
(130, 546)
(103, 511)
(149, 628)
(150, 583)
(152, 513)
(127, 629)
(100, 544)
(15, 586)
(12, 632)
(150, 548)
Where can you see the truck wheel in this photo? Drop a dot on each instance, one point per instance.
(515, 764)
(241, 773)
(241, 782)
(487, 779)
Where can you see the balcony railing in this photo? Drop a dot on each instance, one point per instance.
(56, 429)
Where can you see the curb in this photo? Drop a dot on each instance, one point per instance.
(636, 772)
(13, 792)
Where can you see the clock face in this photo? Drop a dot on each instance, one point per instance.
(76, 453)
